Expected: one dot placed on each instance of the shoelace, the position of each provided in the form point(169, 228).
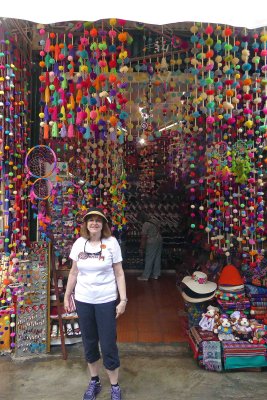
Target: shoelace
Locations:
point(91, 388)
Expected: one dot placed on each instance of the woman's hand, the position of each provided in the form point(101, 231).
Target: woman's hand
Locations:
point(68, 304)
point(120, 308)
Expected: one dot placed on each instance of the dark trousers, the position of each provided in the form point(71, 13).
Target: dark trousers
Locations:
point(98, 325)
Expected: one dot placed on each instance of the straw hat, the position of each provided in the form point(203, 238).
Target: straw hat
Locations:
point(198, 283)
point(190, 299)
point(95, 211)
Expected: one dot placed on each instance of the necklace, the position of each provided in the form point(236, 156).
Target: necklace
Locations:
point(96, 245)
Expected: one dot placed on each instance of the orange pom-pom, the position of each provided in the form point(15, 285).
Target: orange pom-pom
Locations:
point(112, 78)
point(229, 93)
point(122, 36)
point(93, 32)
point(247, 82)
point(113, 120)
point(102, 109)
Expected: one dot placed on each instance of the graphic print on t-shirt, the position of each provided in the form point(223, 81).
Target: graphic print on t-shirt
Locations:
point(84, 256)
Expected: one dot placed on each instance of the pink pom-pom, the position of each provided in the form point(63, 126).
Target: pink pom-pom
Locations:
point(121, 22)
point(93, 114)
point(210, 120)
point(112, 34)
point(42, 32)
point(231, 121)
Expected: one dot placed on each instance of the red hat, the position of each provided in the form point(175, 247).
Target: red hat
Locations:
point(230, 276)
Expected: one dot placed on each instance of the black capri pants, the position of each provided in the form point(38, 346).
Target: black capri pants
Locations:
point(98, 325)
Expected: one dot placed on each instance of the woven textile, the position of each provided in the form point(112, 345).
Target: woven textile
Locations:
point(234, 305)
point(243, 349)
point(194, 312)
point(212, 359)
point(196, 339)
point(244, 355)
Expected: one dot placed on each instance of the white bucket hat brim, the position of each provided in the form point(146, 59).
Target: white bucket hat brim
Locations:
point(198, 283)
point(196, 300)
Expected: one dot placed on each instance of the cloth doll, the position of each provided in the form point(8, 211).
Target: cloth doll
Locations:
point(224, 329)
point(243, 330)
point(209, 318)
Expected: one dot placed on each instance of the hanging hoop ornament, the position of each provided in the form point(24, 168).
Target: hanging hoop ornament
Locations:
point(41, 189)
point(40, 161)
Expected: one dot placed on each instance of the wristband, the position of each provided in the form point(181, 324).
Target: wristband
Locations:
point(124, 300)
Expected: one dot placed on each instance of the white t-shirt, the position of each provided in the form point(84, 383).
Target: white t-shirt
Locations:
point(96, 279)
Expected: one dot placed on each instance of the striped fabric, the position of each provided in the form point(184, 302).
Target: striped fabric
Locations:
point(243, 349)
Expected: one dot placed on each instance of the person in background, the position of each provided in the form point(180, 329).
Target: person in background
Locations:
point(96, 276)
point(151, 247)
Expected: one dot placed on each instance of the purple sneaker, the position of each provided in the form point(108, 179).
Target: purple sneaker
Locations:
point(116, 393)
point(92, 391)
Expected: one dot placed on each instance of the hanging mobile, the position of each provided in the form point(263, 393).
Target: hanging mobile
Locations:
point(41, 189)
point(40, 161)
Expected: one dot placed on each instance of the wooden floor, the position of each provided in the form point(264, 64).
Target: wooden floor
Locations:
point(154, 312)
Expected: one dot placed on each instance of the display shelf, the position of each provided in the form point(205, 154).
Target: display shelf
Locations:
point(57, 341)
point(64, 318)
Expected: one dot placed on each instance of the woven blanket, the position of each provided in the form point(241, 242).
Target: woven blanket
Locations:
point(252, 289)
point(259, 304)
point(196, 339)
point(220, 294)
point(234, 305)
point(243, 349)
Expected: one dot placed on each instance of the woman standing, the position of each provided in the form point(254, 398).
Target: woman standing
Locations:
point(97, 277)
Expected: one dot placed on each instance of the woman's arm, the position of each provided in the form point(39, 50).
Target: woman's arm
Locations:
point(72, 279)
point(120, 280)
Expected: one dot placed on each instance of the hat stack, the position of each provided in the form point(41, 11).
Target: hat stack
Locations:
point(197, 288)
point(231, 291)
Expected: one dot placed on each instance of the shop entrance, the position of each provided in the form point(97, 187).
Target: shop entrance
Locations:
point(154, 312)
point(155, 309)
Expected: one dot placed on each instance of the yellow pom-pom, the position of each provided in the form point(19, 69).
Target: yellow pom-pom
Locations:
point(112, 21)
